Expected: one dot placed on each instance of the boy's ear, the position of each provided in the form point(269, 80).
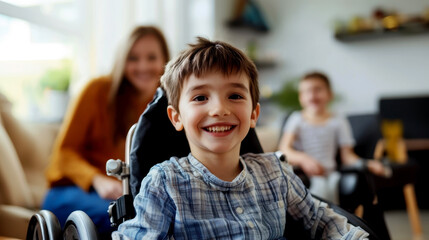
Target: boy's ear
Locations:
point(255, 115)
point(174, 117)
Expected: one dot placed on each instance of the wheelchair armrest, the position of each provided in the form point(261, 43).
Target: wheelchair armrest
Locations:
point(121, 210)
point(355, 221)
point(294, 229)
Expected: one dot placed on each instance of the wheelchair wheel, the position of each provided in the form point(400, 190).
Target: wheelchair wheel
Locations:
point(44, 225)
point(79, 226)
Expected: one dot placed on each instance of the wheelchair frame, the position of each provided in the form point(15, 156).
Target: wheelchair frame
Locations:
point(122, 209)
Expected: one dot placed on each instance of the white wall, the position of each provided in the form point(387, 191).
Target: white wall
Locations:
point(361, 72)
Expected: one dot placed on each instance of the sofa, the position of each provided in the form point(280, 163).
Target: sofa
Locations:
point(24, 154)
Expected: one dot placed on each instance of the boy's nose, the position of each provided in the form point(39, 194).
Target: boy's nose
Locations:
point(219, 108)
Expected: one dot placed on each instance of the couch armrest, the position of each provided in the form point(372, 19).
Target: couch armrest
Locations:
point(32, 144)
point(14, 221)
point(43, 136)
point(13, 183)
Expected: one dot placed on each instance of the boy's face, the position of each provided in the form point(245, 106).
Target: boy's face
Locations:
point(314, 94)
point(215, 111)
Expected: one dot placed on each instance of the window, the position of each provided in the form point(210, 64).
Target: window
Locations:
point(42, 41)
point(37, 43)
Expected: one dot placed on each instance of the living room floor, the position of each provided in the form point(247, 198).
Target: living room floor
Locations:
point(399, 226)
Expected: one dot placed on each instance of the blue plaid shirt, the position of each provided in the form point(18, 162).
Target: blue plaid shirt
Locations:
point(183, 199)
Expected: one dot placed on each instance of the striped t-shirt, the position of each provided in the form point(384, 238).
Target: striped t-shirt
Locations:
point(320, 141)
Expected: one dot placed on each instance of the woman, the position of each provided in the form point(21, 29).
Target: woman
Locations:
point(96, 126)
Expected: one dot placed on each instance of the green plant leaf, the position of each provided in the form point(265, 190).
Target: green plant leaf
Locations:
point(56, 79)
point(287, 97)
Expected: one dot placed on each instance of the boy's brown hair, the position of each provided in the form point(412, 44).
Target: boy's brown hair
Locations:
point(318, 75)
point(203, 58)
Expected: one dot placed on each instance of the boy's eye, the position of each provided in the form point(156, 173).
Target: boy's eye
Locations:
point(236, 96)
point(199, 98)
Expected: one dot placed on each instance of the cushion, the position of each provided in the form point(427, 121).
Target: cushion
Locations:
point(14, 221)
point(32, 144)
point(20, 136)
point(13, 184)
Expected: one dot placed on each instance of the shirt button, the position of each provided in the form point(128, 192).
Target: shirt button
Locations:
point(239, 210)
point(250, 223)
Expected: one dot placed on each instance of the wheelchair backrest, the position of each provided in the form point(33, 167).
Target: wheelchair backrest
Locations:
point(156, 140)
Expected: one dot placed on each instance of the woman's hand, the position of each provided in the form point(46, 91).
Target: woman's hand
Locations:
point(107, 187)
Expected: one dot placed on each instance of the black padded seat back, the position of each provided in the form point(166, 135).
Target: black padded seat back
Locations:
point(412, 111)
point(155, 140)
point(366, 132)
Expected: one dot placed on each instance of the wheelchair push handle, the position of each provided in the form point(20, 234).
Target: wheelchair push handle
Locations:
point(113, 167)
point(121, 171)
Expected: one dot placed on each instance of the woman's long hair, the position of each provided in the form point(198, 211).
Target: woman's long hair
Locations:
point(122, 123)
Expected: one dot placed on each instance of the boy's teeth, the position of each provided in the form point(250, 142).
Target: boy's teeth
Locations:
point(219, 128)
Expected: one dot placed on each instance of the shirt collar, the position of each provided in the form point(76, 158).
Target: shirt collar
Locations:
point(214, 181)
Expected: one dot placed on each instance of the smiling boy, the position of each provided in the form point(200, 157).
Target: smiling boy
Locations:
point(217, 112)
point(213, 193)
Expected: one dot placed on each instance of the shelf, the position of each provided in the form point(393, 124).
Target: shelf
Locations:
point(379, 34)
point(241, 24)
point(248, 15)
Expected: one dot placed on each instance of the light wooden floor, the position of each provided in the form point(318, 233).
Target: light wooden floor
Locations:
point(399, 226)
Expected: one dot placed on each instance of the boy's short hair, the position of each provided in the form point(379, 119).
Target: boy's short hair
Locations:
point(318, 75)
point(203, 58)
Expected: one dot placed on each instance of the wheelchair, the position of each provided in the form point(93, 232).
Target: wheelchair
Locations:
point(44, 225)
point(146, 146)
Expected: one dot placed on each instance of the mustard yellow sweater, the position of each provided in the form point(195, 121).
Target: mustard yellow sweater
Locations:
point(85, 141)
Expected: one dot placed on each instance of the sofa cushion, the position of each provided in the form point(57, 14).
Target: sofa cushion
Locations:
point(43, 135)
point(31, 144)
point(14, 221)
point(24, 142)
point(13, 184)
